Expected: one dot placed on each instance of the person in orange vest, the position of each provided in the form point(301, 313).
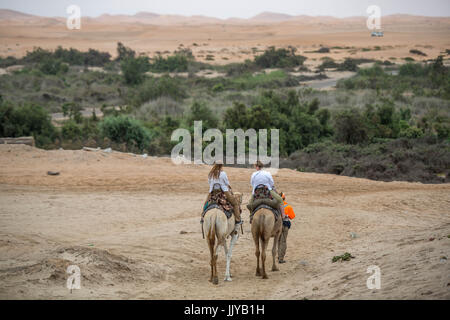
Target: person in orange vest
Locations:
point(289, 215)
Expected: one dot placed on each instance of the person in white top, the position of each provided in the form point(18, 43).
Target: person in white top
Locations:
point(263, 177)
point(219, 183)
point(218, 179)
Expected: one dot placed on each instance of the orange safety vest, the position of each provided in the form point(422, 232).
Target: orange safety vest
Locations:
point(289, 211)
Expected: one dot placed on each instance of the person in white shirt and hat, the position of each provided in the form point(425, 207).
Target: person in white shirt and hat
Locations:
point(263, 177)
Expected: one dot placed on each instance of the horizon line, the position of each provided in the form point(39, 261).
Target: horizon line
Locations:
point(224, 19)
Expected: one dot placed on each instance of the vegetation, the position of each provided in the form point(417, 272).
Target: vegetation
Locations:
point(387, 123)
point(26, 120)
point(279, 58)
point(123, 129)
point(345, 257)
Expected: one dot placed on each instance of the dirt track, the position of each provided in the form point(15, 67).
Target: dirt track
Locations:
point(132, 226)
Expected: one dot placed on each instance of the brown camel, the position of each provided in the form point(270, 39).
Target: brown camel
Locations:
point(217, 226)
point(265, 227)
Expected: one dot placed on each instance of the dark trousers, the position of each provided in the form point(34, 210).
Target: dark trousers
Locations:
point(282, 243)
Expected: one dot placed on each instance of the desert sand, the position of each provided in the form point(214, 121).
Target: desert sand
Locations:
point(131, 224)
point(231, 40)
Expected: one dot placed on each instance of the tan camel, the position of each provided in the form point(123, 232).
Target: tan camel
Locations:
point(265, 227)
point(217, 226)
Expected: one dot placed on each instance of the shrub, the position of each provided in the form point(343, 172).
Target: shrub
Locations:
point(175, 63)
point(8, 61)
point(279, 58)
point(421, 159)
point(273, 79)
point(73, 111)
point(323, 50)
point(411, 133)
point(70, 56)
point(37, 55)
point(123, 129)
point(304, 130)
point(350, 127)
point(51, 66)
point(237, 69)
point(70, 130)
point(134, 69)
point(328, 63)
point(201, 112)
point(124, 53)
point(96, 58)
point(155, 109)
point(412, 70)
point(161, 143)
point(418, 52)
point(348, 65)
point(236, 117)
point(154, 88)
point(374, 71)
point(26, 120)
point(218, 87)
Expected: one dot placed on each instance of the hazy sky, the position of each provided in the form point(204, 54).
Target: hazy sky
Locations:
point(231, 8)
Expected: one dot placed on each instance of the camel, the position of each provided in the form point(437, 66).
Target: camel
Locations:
point(217, 226)
point(265, 227)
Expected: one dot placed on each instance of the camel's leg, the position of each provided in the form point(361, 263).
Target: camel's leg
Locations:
point(274, 251)
point(211, 251)
point(228, 254)
point(257, 254)
point(227, 269)
point(264, 243)
point(216, 255)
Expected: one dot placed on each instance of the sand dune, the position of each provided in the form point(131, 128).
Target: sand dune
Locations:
point(132, 226)
point(150, 33)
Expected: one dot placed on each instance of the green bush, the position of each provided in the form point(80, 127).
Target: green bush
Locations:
point(411, 133)
point(8, 61)
point(413, 70)
point(75, 57)
point(348, 65)
point(175, 63)
point(423, 159)
point(236, 117)
point(218, 87)
point(279, 58)
point(162, 144)
point(201, 112)
point(124, 53)
point(154, 88)
point(26, 120)
point(70, 130)
point(134, 69)
point(350, 127)
point(238, 69)
point(70, 56)
point(53, 66)
point(123, 129)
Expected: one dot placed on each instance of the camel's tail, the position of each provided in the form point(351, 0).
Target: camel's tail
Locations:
point(211, 232)
point(262, 217)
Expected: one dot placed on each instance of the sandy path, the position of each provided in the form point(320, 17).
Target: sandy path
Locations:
point(135, 234)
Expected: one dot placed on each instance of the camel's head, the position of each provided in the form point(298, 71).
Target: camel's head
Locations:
point(238, 196)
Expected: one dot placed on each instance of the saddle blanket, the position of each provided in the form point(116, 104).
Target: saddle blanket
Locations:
point(216, 206)
point(276, 212)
